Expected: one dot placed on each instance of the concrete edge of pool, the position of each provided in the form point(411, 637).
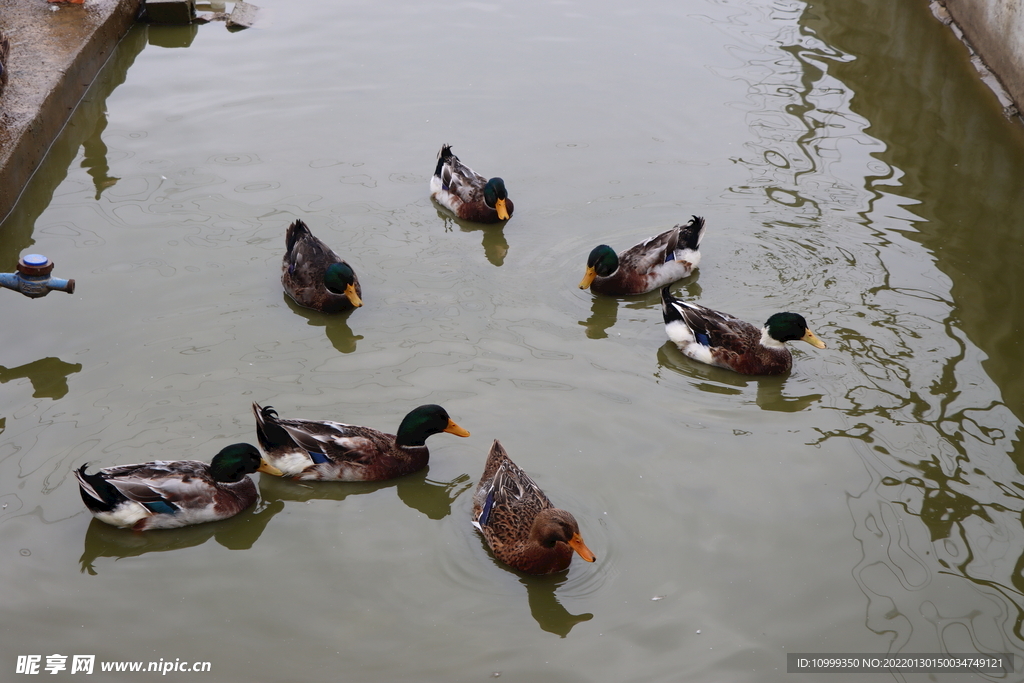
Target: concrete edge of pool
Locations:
point(56, 51)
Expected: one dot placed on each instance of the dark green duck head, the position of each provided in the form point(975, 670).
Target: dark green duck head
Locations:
point(339, 278)
point(236, 461)
point(602, 261)
point(424, 421)
point(784, 327)
point(495, 196)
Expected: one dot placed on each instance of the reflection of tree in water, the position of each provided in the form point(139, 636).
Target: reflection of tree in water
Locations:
point(942, 507)
point(947, 513)
point(970, 521)
point(932, 429)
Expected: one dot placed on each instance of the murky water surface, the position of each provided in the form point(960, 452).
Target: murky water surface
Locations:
point(850, 168)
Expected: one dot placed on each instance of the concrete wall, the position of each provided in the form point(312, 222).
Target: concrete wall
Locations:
point(56, 52)
point(995, 28)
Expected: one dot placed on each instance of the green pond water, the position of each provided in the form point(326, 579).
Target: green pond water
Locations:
point(851, 167)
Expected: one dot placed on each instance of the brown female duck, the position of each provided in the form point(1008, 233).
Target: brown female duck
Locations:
point(521, 526)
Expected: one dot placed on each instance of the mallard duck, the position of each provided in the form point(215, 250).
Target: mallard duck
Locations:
point(653, 263)
point(314, 276)
point(166, 494)
point(332, 451)
point(720, 339)
point(466, 193)
point(521, 526)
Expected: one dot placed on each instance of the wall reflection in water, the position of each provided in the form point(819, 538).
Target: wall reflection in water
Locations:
point(84, 131)
point(871, 90)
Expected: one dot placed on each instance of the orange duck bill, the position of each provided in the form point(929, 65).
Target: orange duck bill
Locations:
point(455, 429)
point(502, 210)
point(577, 544)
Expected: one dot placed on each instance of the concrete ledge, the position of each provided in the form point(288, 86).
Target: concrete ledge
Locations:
point(995, 29)
point(55, 55)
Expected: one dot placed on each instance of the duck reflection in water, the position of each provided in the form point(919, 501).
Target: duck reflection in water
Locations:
point(604, 309)
point(494, 243)
point(548, 612)
point(238, 533)
point(339, 333)
point(541, 596)
point(721, 381)
point(431, 497)
point(603, 313)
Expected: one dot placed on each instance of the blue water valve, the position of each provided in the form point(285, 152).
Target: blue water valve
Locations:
point(33, 277)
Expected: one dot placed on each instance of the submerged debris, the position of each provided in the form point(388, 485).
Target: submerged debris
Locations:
point(243, 15)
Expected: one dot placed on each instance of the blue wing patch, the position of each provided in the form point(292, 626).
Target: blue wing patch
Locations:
point(318, 458)
point(703, 339)
point(485, 514)
point(160, 507)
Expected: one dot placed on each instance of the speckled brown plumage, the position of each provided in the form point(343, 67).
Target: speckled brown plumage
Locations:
point(521, 526)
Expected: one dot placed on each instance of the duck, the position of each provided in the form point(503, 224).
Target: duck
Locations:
point(466, 193)
point(722, 340)
point(310, 450)
point(314, 276)
point(654, 263)
point(166, 494)
point(520, 525)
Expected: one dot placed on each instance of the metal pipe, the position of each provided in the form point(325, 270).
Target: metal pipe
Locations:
point(33, 278)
